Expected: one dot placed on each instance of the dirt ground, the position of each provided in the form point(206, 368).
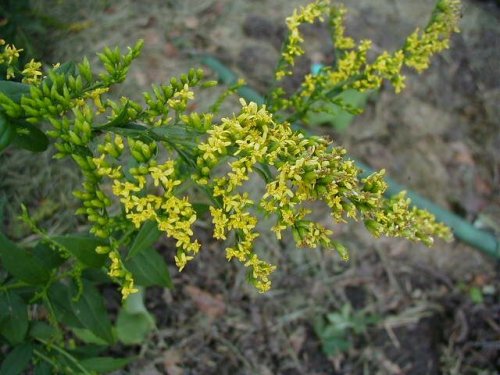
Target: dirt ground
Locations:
point(438, 310)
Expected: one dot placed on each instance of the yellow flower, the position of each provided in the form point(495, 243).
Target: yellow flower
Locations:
point(32, 73)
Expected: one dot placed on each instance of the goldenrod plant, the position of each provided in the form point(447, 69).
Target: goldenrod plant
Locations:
point(140, 160)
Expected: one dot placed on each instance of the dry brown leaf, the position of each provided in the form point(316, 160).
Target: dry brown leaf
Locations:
point(170, 50)
point(191, 22)
point(482, 186)
point(171, 360)
point(150, 370)
point(462, 153)
point(210, 305)
point(297, 339)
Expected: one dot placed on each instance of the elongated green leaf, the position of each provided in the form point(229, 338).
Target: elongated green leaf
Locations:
point(149, 268)
point(21, 263)
point(29, 137)
point(14, 90)
point(91, 312)
point(118, 121)
point(42, 330)
point(13, 317)
point(103, 365)
point(17, 360)
point(59, 300)
point(67, 68)
point(131, 130)
point(145, 238)
point(201, 208)
point(48, 257)
point(83, 248)
point(88, 351)
point(133, 328)
point(7, 132)
point(88, 337)
point(338, 117)
point(134, 322)
point(42, 368)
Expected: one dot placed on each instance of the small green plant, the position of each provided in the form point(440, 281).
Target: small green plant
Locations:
point(337, 329)
point(141, 163)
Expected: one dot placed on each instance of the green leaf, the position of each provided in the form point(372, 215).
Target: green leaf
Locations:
point(135, 131)
point(14, 90)
point(201, 208)
point(29, 137)
point(104, 365)
point(13, 317)
point(134, 322)
point(149, 268)
point(88, 337)
point(91, 312)
point(83, 248)
point(476, 295)
point(7, 132)
point(264, 171)
point(17, 360)
point(48, 257)
point(87, 351)
point(42, 330)
point(145, 238)
point(335, 345)
point(118, 121)
point(332, 112)
point(21, 263)
point(43, 368)
point(59, 300)
point(133, 328)
point(3, 202)
point(67, 68)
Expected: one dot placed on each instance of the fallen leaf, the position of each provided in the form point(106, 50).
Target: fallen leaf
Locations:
point(297, 339)
point(171, 359)
point(482, 186)
point(170, 50)
point(191, 22)
point(480, 280)
point(150, 370)
point(462, 153)
point(210, 305)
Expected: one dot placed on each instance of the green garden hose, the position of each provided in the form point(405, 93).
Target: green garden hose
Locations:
point(484, 241)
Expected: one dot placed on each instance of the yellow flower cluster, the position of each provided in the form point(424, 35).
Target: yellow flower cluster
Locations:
point(179, 101)
point(248, 134)
point(173, 215)
point(9, 56)
point(299, 171)
point(292, 48)
point(307, 169)
point(32, 72)
point(339, 40)
point(10, 53)
point(118, 271)
point(420, 47)
point(351, 69)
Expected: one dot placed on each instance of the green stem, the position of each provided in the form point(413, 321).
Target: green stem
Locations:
point(68, 356)
point(19, 284)
point(46, 359)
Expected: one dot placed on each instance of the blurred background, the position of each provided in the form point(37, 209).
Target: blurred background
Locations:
point(395, 307)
